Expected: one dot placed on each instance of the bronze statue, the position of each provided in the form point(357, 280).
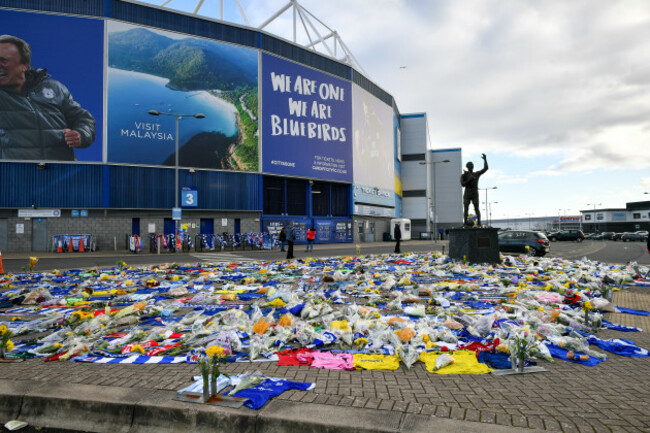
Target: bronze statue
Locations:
point(469, 180)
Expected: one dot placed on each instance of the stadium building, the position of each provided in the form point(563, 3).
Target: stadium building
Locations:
point(199, 125)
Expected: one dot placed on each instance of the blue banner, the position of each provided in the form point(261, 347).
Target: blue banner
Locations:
point(307, 122)
point(68, 53)
point(332, 231)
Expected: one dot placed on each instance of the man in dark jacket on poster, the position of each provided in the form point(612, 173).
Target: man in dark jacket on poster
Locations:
point(397, 234)
point(39, 119)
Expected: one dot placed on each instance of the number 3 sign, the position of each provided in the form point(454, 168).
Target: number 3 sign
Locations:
point(189, 197)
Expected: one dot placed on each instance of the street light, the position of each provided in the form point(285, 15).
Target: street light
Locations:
point(486, 201)
point(431, 198)
point(490, 212)
point(178, 117)
point(530, 225)
point(594, 221)
point(559, 218)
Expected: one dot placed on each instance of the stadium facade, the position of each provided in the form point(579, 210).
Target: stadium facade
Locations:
point(235, 129)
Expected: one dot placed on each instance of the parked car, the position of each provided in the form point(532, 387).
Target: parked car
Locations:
point(597, 236)
point(628, 237)
point(608, 235)
point(643, 233)
point(617, 236)
point(516, 241)
point(567, 235)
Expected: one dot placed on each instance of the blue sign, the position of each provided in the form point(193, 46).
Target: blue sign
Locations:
point(84, 212)
point(307, 122)
point(74, 213)
point(190, 197)
point(333, 231)
point(176, 213)
point(373, 195)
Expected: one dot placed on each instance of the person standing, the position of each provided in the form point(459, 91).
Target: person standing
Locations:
point(282, 237)
point(397, 234)
point(311, 237)
point(291, 238)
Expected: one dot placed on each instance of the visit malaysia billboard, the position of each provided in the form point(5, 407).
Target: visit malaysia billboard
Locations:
point(179, 76)
point(307, 122)
point(51, 103)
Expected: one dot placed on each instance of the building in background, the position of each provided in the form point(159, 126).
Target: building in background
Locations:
point(634, 217)
point(258, 133)
point(431, 190)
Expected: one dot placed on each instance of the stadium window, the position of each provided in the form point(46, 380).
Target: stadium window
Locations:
point(274, 201)
point(340, 200)
point(636, 215)
point(320, 199)
point(296, 197)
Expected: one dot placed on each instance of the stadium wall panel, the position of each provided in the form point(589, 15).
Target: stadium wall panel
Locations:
point(53, 185)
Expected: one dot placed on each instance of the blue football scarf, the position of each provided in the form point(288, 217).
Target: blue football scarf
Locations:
point(632, 311)
point(619, 346)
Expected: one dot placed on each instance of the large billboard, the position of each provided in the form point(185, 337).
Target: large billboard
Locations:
point(51, 104)
point(179, 76)
point(307, 123)
point(374, 143)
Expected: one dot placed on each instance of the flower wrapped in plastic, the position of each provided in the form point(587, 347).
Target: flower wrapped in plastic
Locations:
point(209, 361)
point(5, 343)
point(442, 361)
point(520, 342)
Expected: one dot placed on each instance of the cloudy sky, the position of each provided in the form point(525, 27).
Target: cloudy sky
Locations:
point(555, 92)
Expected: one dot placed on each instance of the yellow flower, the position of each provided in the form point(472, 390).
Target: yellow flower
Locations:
point(425, 338)
point(215, 352)
point(343, 325)
point(361, 341)
point(541, 309)
point(57, 345)
point(33, 261)
point(137, 348)
point(277, 302)
point(3, 329)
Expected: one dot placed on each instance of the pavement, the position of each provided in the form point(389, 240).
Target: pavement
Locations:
point(610, 397)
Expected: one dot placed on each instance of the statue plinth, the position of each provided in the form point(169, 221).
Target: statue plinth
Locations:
point(476, 245)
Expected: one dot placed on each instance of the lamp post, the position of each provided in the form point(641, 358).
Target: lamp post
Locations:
point(178, 117)
point(486, 201)
point(594, 220)
point(529, 221)
point(431, 198)
point(559, 217)
point(490, 212)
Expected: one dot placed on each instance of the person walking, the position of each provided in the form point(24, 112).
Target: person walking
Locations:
point(397, 234)
point(282, 237)
point(291, 238)
point(311, 237)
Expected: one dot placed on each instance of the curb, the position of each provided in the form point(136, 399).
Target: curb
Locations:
point(115, 409)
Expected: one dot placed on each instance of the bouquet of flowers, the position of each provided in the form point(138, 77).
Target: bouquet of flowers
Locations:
point(587, 307)
point(520, 342)
point(5, 343)
point(209, 366)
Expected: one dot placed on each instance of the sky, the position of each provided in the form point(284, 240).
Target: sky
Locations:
point(556, 93)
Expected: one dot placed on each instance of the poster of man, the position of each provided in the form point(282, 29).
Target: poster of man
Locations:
point(48, 102)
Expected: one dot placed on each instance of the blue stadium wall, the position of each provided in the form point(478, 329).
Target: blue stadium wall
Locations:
point(135, 196)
